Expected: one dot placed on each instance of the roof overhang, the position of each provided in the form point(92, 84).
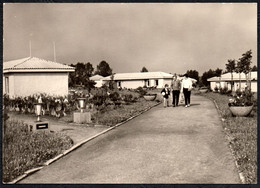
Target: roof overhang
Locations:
point(36, 70)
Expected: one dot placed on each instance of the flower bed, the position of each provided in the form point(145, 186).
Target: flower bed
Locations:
point(60, 106)
point(24, 150)
point(242, 135)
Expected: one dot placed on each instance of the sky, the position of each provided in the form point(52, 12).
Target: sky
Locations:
point(168, 37)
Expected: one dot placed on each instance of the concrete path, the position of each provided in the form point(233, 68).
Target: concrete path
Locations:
point(164, 145)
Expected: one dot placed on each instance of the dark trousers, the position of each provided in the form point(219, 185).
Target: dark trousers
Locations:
point(186, 93)
point(175, 97)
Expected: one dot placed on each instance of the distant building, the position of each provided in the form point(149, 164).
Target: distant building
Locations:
point(98, 79)
point(31, 75)
point(225, 81)
point(141, 79)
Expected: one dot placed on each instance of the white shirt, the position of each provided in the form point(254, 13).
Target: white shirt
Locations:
point(186, 83)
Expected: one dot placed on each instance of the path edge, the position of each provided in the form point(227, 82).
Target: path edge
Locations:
point(240, 174)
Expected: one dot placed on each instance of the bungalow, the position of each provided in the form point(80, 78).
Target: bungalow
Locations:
point(225, 80)
point(141, 79)
point(32, 75)
point(98, 79)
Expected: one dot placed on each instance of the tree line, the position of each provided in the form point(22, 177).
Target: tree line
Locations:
point(83, 71)
point(242, 65)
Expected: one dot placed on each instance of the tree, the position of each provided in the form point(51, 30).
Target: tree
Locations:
point(89, 69)
point(254, 68)
point(230, 67)
point(208, 74)
point(144, 69)
point(243, 65)
point(193, 74)
point(81, 75)
point(103, 69)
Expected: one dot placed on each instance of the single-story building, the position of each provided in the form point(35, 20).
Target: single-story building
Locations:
point(98, 79)
point(31, 75)
point(225, 80)
point(141, 79)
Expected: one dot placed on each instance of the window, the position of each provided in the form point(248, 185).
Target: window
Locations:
point(7, 84)
point(156, 82)
point(119, 84)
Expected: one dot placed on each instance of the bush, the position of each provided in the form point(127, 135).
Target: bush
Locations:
point(99, 99)
point(224, 91)
point(141, 91)
point(114, 96)
point(216, 89)
point(129, 98)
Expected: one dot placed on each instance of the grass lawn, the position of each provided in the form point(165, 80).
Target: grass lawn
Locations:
point(24, 150)
point(242, 135)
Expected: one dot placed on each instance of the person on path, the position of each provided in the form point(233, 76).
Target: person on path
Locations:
point(165, 93)
point(186, 87)
point(175, 87)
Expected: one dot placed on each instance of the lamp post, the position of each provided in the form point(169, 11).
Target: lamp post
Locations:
point(38, 107)
point(82, 104)
point(38, 111)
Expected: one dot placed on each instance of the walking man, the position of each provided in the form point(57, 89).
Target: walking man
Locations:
point(186, 87)
point(175, 86)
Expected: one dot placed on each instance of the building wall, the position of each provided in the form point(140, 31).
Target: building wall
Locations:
point(132, 84)
point(236, 85)
point(9, 83)
point(254, 86)
point(164, 81)
point(24, 84)
point(99, 83)
point(140, 83)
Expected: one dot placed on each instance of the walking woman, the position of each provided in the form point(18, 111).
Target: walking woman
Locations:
point(175, 86)
point(186, 87)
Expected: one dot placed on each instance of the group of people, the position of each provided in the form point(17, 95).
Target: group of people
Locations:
point(177, 87)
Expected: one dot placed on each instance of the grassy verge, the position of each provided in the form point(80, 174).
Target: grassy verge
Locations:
point(112, 115)
point(24, 150)
point(242, 136)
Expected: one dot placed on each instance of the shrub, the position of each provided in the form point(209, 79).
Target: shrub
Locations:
point(99, 100)
point(114, 96)
point(223, 91)
point(129, 98)
point(141, 91)
point(216, 89)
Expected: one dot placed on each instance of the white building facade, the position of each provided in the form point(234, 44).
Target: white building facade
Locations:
point(225, 80)
point(141, 79)
point(28, 76)
point(98, 79)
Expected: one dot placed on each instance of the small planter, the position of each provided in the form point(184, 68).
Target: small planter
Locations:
point(150, 97)
point(241, 110)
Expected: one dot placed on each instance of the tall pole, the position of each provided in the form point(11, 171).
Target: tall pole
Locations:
point(30, 46)
point(54, 52)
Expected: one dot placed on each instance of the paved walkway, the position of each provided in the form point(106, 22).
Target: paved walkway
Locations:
point(163, 145)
